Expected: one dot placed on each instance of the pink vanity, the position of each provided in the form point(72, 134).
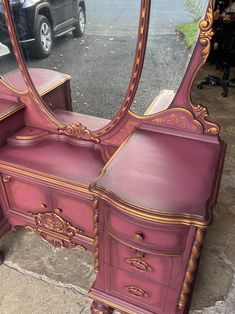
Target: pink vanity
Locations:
point(137, 190)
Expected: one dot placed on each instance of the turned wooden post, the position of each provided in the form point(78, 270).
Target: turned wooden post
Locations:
point(100, 308)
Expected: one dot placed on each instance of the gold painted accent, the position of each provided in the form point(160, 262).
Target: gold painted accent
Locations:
point(201, 113)
point(139, 237)
point(79, 131)
point(137, 292)
point(55, 230)
point(207, 33)
point(96, 234)
point(31, 137)
point(192, 268)
point(139, 264)
point(9, 112)
point(6, 178)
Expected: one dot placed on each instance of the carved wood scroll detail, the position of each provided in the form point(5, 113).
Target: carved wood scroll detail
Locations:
point(79, 131)
point(192, 267)
point(55, 230)
point(207, 33)
point(201, 114)
point(178, 118)
point(96, 234)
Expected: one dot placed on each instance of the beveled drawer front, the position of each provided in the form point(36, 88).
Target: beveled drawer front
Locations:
point(149, 266)
point(165, 238)
point(75, 210)
point(26, 197)
point(129, 287)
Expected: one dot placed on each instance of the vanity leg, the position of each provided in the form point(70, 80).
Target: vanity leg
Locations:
point(100, 308)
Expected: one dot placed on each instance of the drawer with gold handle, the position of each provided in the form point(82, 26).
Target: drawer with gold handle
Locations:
point(139, 264)
point(137, 292)
point(136, 289)
point(158, 268)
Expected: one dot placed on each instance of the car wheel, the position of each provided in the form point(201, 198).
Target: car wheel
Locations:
point(80, 26)
point(43, 38)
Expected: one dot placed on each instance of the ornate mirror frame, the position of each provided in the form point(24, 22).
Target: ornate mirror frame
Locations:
point(182, 113)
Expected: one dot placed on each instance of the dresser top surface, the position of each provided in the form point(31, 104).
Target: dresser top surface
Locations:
point(53, 158)
point(164, 173)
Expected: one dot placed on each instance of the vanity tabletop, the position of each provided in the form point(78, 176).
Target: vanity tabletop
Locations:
point(54, 159)
point(163, 173)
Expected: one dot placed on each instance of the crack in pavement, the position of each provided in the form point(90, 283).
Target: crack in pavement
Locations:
point(227, 306)
point(44, 278)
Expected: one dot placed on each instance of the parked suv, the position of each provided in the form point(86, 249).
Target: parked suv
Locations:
point(38, 21)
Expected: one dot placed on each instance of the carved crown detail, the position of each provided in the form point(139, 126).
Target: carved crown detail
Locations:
point(207, 33)
point(79, 131)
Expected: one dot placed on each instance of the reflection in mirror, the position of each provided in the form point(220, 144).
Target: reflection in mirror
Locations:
point(92, 41)
point(173, 32)
point(9, 70)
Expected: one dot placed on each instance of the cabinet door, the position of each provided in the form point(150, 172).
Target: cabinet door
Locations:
point(75, 210)
point(25, 196)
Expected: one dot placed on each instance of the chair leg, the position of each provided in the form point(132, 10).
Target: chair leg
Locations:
point(1, 257)
point(225, 81)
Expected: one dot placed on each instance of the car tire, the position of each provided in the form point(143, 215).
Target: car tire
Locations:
point(43, 38)
point(80, 26)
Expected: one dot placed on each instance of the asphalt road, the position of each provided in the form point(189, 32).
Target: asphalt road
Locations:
point(100, 62)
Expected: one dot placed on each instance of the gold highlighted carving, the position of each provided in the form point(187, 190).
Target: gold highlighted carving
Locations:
point(201, 114)
point(207, 33)
point(192, 267)
point(79, 131)
point(55, 230)
point(96, 234)
point(139, 237)
point(137, 292)
point(178, 118)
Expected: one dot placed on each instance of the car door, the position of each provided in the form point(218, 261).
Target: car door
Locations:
point(62, 12)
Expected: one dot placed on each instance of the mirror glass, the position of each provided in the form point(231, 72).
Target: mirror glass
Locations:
point(173, 32)
point(92, 41)
point(9, 71)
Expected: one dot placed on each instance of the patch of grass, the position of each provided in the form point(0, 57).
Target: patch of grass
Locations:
point(189, 31)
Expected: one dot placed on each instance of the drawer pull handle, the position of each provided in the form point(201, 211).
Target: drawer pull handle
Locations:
point(6, 178)
point(139, 237)
point(139, 264)
point(137, 292)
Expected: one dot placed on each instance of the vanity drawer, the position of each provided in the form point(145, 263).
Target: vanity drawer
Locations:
point(165, 238)
point(75, 210)
point(161, 269)
point(26, 197)
point(129, 287)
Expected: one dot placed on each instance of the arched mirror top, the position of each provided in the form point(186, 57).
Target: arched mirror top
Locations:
point(192, 33)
